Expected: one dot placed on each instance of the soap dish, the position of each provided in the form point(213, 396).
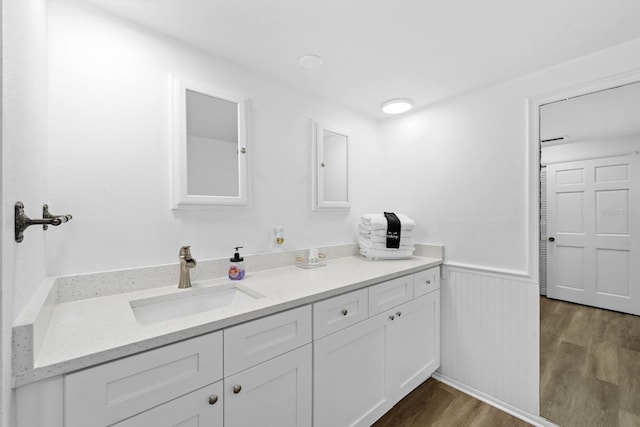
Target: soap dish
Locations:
point(302, 261)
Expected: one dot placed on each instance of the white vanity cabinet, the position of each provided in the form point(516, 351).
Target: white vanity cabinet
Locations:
point(267, 365)
point(112, 392)
point(266, 380)
point(342, 361)
point(361, 371)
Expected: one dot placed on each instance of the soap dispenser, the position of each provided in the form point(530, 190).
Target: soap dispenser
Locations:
point(236, 266)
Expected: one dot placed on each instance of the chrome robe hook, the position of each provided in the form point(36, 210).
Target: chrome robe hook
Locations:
point(22, 221)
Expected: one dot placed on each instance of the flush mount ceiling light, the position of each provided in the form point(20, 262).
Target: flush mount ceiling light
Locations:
point(396, 106)
point(310, 62)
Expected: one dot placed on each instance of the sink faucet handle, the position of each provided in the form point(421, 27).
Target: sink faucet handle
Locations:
point(185, 254)
point(185, 251)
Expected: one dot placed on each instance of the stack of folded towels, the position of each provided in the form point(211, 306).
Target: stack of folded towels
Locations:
point(381, 237)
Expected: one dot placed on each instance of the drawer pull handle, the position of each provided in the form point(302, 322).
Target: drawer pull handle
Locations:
point(236, 389)
point(399, 314)
point(392, 317)
point(213, 399)
point(428, 282)
point(344, 311)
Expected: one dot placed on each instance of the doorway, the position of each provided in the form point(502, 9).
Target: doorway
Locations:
point(589, 257)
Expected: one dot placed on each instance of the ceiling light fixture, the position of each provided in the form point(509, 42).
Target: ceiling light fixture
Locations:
point(310, 62)
point(396, 106)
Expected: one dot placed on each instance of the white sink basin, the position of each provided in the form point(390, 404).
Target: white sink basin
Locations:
point(191, 301)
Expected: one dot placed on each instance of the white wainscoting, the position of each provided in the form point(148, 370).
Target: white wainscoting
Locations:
point(490, 335)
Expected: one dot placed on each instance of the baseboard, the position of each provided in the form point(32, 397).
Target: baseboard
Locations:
point(503, 406)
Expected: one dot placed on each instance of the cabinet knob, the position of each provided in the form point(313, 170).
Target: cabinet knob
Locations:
point(236, 389)
point(428, 282)
point(344, 311)
point(213, 399)
point(399, 314)
point(392, 317)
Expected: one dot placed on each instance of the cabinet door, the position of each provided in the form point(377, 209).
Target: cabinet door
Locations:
point(349, 375)
point(414, 343)
point(106, 394)
point(201, 408)
point(276, 393)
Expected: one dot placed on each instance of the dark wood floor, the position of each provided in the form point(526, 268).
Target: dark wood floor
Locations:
point(589, 365)
point(437, 404)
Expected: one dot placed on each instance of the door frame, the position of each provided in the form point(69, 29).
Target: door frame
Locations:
point(533, 159)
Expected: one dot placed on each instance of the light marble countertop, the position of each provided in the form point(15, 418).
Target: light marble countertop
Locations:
point(91, 331)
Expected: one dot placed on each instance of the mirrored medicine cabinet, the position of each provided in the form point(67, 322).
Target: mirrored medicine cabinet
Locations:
point(330, 156)
point(209, 133)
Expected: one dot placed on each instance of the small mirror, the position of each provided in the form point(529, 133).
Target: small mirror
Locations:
point(209, 146)
point(331, 167)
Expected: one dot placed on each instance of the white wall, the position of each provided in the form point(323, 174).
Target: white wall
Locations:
point(490, 336)
point(455, 173)
point(469, 156)
point(467, 162)
point(109, 150)
point(24, 151)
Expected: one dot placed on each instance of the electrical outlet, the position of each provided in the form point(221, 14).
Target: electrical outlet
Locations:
point(277, 237)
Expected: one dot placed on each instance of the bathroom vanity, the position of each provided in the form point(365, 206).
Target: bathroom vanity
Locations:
point(332, 346)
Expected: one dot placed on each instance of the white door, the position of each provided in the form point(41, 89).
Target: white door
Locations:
point(593, 229)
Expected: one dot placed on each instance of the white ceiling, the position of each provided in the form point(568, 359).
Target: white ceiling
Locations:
point(375, 50)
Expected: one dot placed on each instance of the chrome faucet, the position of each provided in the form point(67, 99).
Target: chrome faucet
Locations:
point(186, 262)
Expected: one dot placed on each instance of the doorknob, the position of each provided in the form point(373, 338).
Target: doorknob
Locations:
point(552, 239)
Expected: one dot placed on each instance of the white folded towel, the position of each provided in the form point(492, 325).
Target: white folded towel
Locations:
point(366, 244)
point(365, 229)
point(387, 253)
point(405, 238)
point(379, 222)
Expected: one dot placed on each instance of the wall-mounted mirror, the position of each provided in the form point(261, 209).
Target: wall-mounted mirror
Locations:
point(330, 167)
point(209, 146)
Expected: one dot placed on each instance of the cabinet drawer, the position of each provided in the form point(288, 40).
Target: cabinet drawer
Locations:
point(426, 281)
point(388, 294)
point(254, 342)
point(337, 313)
point(114, 391)
point(201, 408)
